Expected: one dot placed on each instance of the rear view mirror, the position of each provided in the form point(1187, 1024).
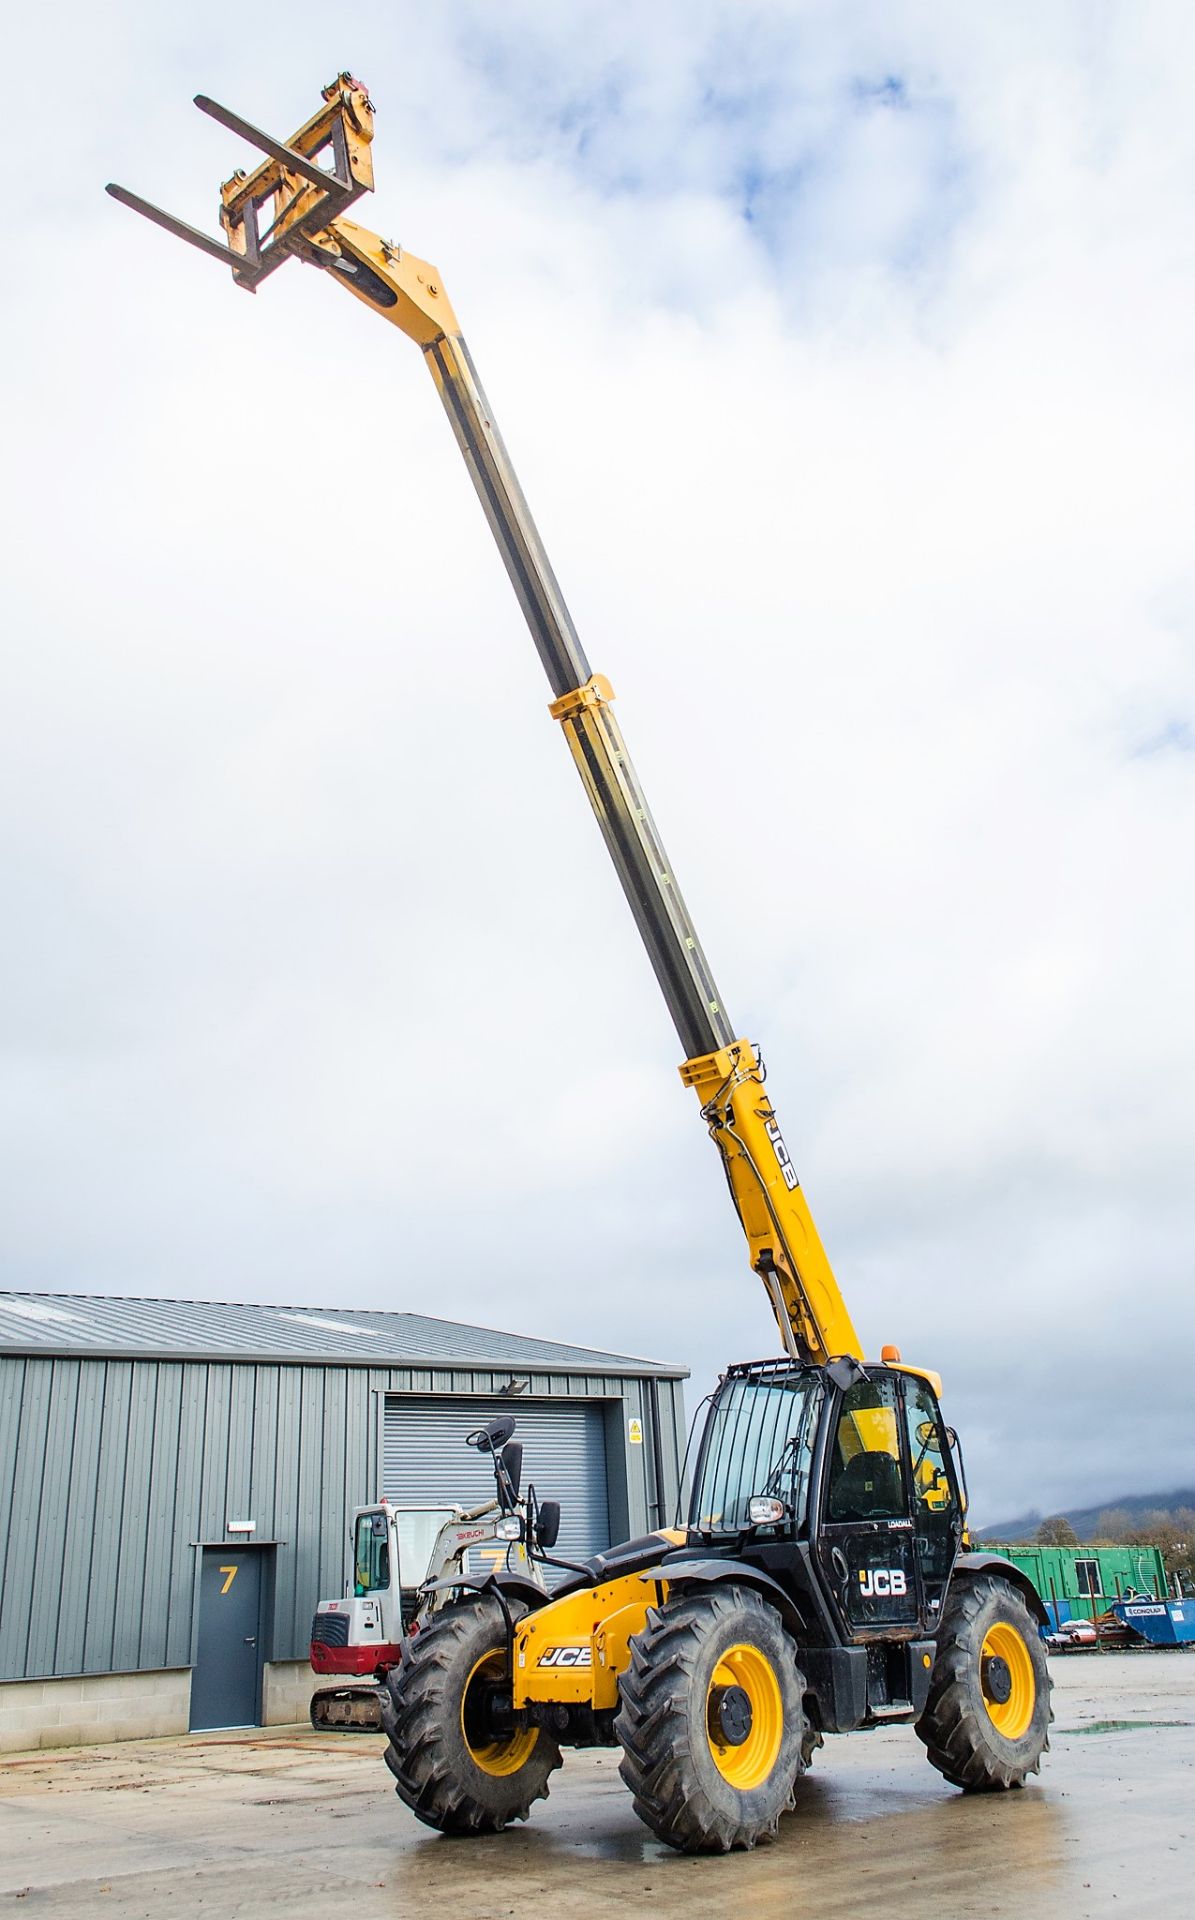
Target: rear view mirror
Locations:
point(493, 1435)
point(547, 1529)
point(512, 1461)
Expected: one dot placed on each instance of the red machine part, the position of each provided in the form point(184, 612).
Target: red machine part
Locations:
point(355, 1660)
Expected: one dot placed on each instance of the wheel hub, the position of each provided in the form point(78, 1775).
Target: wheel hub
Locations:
point(996, 1678)
point(730, 1716)
point(496, 1744)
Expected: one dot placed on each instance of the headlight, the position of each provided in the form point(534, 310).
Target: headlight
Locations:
point(509, 1529)
point(762, 1511)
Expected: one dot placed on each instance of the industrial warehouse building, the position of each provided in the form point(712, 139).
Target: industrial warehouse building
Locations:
point(147, 1447)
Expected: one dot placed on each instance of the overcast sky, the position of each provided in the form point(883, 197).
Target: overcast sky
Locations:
point(845, 353)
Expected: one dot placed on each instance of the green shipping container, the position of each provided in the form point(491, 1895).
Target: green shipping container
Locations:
point(1081, 1582)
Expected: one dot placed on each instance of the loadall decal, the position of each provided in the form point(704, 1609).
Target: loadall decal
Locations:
point(878, 1582)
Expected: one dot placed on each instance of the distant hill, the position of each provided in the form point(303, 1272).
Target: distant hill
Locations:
point(1085, 1520)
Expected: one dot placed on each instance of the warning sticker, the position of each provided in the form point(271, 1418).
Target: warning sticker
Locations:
point(635, 1433)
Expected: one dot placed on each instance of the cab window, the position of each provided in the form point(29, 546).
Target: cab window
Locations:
point(866, 1482)
point(371, 1554)
point(927, 1451)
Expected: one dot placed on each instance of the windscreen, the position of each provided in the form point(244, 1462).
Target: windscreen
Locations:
point(758, 1440)
point(417, 1530)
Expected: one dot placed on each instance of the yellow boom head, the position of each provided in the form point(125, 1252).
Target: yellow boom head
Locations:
point(292, 207)
point(273, 213)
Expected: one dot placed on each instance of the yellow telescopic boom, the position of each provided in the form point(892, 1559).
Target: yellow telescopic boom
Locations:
point(292, 206)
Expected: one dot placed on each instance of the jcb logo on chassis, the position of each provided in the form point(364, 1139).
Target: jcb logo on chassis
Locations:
point(566, 1657)
point(876, 1583)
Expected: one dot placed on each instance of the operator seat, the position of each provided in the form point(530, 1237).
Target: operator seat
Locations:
point(868, 1488)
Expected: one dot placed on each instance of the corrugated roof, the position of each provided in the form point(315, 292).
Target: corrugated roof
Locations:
point(88, 1323)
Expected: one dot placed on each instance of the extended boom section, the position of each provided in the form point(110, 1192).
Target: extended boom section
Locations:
point(281, 211)
point(726, 1073)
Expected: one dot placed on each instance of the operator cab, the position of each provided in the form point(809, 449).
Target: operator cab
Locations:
point(838, 1481)
point(414, 1533)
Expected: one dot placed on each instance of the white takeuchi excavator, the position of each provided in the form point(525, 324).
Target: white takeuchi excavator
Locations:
point(407, 1563)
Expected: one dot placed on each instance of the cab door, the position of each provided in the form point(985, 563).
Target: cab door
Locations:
point(866, 1541)
point(936, 1506)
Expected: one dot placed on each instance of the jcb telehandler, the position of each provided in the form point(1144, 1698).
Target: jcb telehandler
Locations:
point(821, 1580)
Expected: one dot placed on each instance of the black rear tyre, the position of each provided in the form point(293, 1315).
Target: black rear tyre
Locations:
point(711, 1722)
point(450, 1767)
point(987, 1718)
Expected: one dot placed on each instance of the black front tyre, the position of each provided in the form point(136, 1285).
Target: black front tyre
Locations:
point(711, 1721)
point(987, 1718)
point(456, 1767)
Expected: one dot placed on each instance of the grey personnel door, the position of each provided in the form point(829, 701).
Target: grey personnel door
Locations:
point(226, 1681)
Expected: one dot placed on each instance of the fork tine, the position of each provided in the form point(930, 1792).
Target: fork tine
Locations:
point(180, 228)
point(265, 142)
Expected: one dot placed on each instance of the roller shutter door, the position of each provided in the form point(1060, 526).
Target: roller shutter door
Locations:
point(425, 1460)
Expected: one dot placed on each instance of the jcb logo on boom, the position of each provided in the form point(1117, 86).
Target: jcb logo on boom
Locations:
point(566, 1657)
point(781, 1152)
point(876, 1583)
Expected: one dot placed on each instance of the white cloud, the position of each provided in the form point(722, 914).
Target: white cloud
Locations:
point(875, 508)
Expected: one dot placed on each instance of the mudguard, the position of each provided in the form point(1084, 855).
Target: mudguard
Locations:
point(515, 1586)
point(682, 1573)
point(996, 1563)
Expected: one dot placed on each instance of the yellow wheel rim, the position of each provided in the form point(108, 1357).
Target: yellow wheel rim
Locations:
point(1012, 1716)
point(493, 1756)
point(749, 1765)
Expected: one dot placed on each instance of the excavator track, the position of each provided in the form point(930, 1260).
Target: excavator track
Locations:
point(347, 1710)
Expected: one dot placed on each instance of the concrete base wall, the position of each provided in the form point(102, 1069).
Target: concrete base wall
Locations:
point(286, 1690)
point(93, 1709)
point(100, 1707)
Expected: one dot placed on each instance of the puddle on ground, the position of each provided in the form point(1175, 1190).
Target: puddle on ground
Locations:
point(1126, 1726)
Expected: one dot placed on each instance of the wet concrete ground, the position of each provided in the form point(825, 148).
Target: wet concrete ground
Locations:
point(305, 1824)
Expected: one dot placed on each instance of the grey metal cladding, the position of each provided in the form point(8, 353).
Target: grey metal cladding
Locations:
point(44, 1567)
point(153, 1644)
point(70, 1323)
point(99, 1650)
point(80, 1470)
point(24, 1500)
point(189, 1460)
point(285, 1506)
point(134, 1525)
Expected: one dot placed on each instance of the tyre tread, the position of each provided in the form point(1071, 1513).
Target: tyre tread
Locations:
point(953, 1731)
point(415, 1713)
point(655, 1728)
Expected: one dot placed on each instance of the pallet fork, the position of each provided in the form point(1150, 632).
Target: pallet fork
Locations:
point(292, 207)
